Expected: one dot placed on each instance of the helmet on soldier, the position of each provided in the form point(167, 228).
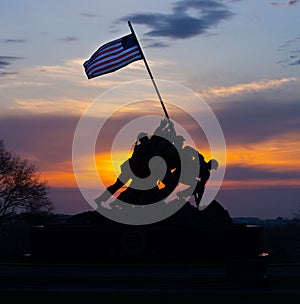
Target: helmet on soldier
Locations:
point(213, 164)
point(141, 135)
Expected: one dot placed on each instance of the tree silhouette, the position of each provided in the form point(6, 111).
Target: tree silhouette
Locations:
point(20, 187)
point(297, 214)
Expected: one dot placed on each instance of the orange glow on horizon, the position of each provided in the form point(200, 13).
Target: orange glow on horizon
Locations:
point(59, 179)
point(276, 155)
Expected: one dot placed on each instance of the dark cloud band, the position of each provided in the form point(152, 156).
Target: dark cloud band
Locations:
point(253, 121)
point(7, 61)
point(187, 19)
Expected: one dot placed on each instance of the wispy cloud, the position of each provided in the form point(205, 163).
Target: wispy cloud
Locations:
point(54, 106)
point(189, 18)
point(283, 3)
point(5, 64)
point(6, 74)
point(276, 4)
point(291, 51)
point(59, 79)
point(10, 40)
point(243, 88)
point(6, 61)
point(68, 39)
point(295, 62)
point(293, 2)
point(150, 43)
point(89, 15)
point(70, 71)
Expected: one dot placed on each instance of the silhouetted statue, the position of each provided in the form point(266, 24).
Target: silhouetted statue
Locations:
point(183, 164)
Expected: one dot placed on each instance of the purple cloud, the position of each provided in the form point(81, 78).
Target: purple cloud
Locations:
point(293, 2)
point(248, 173)
point(180, 24)
point(7, 61)
point(45, 139)
point(253, 121)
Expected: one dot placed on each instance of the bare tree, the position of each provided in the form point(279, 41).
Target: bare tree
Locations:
point(21, 189)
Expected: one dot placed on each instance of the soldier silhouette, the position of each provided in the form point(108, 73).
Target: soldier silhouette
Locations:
point(125, 175)
point(205, 168)
point(202, 177)
point(167, 144)
point(160, 144)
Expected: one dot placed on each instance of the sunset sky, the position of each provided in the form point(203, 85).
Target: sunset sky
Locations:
point(241, 57)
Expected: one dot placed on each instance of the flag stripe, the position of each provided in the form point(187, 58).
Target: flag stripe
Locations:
point(114, 67)
point(113, 56)
point(105, 53)
point(105, 47)
point(111, 63)
point(99, 64)
point(107, 57)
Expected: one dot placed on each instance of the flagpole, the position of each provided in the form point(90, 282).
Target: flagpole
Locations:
point(149, 71)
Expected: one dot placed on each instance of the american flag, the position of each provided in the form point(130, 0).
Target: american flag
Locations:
point(113, 56)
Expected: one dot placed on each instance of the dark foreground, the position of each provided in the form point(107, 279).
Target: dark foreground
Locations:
point(191, 257)
point(54, 283)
